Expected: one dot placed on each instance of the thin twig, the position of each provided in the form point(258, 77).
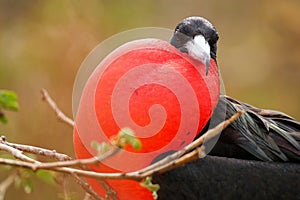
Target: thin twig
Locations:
point(109, 191)
point(189, 157)
point(78, 162)
point(62, 117)
point(87, 188)
point(166, 162)
point(137, 175)
point(37, 150)
point(79, 172)
point(59, 114)
point(190, 152)
point(87, 196)
point(6, 184)
point(15, 152)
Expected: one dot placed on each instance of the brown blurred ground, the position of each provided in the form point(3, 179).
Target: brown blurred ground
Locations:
point(42, 44)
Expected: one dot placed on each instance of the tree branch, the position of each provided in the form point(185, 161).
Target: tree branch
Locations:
point(59, 114)
point(168, 163)
point(62, 117)
point(78, 162)
point(15, 152)
point(91, 193)
point(6, 183)
point(67, 165)
point(36, 150)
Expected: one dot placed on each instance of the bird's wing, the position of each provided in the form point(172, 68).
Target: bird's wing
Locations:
point(266, 134)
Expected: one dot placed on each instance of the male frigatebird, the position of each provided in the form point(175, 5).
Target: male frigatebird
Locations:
point(265, 134)
point(235, 167)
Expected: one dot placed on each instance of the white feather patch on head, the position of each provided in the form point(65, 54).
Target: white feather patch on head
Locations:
point(199, 49)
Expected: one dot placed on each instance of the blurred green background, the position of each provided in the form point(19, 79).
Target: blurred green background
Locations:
point(42, 45)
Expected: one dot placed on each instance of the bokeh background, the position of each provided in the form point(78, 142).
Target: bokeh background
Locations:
point(42, 45)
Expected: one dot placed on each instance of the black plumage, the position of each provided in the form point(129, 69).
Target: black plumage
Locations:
point(236, 167)
point(266, 135)
point(261, 134)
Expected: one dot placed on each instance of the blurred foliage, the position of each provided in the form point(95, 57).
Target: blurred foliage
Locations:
point(26, 181)
point(8, 101)
point(42, 44)
point(126, 138)
point(147, 183)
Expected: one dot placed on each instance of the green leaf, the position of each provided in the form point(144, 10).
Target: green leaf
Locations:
point(100, 148)
point(3, 118)
point(126, 132)
point(46, 176)
point(24, 181)
point(126, 136)
point(28, 186)
point(9, 100)
point(147, 183)
point(18, 182)
point(95, 145)
point(136, 144)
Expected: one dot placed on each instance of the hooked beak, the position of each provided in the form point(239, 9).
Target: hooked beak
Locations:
point(207, 64)
point(199, 49)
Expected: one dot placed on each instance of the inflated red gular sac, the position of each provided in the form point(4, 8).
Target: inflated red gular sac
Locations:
point(164, 92)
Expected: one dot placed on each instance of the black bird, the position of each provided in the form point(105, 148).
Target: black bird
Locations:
point(261, 134)
point(235, 168)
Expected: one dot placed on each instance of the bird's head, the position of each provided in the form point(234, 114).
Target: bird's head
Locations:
point(198, 38)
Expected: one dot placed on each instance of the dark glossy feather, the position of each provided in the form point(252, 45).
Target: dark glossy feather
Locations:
point(258, 135)
point(227, 178)
point(266, 135)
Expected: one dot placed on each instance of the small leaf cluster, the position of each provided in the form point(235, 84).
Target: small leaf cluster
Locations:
point(8, 101)
point(101, 148)
point(126, 137)
point(25, 179)
point(147, 183)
